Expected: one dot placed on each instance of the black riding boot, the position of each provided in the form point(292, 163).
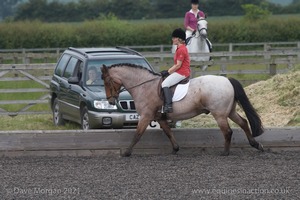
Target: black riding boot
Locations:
point(168, 100)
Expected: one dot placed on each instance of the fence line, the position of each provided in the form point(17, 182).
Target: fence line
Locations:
point(270, 54)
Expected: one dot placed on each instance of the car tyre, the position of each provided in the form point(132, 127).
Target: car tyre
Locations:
point(85, 121)
point(57, 116)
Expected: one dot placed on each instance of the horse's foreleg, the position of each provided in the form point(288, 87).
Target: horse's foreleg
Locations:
point(235, 117)
point(167, 130)
point(142, 125)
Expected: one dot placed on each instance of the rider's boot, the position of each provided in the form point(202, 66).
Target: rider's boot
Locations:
point(168, 100)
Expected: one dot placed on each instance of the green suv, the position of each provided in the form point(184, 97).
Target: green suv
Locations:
point(77, 90)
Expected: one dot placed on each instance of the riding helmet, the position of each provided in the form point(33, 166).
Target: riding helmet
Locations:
point(194, 1)
point(179, 33)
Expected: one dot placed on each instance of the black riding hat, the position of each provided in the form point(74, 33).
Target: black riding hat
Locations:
point(194, 1)
point(179, 33)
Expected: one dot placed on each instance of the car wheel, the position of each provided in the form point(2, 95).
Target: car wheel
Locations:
point(57, 116)
point(85, 122)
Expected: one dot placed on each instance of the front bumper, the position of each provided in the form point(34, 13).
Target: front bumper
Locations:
point(112, 120)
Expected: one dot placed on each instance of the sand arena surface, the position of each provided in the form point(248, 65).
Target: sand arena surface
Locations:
point(245, 174)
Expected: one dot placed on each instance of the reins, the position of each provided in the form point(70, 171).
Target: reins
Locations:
point(124, 89)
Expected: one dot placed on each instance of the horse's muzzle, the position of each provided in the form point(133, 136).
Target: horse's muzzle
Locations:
point(112, 100)
point(203, 33)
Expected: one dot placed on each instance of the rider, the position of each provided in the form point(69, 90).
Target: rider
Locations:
point(192, 16)
point(179, 71)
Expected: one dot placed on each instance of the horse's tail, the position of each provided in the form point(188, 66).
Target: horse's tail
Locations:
point(252, 116)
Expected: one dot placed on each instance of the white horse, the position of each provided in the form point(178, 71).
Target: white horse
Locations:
point(197, 42)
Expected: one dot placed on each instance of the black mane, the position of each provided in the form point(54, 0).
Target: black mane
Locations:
point(135, 66)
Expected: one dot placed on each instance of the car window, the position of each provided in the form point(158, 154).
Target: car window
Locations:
point(93, 76)
point(61, 64)
point(70, 69)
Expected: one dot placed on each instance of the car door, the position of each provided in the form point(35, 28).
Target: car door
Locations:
point(72, 92)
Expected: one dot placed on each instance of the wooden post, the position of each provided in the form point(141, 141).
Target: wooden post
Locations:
point(161, 51)
point(223, 67)
point(273, 69)
point(267, 57)
point(230, 50)
point(298, 46)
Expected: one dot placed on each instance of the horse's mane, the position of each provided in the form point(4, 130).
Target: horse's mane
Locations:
point(134, 66)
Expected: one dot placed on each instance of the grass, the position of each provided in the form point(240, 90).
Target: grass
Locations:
point(32, 122)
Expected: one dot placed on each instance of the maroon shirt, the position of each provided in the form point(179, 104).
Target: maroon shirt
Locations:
point(191, 20)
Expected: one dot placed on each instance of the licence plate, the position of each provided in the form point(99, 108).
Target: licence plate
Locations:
point(136, 117)
point(132, 117)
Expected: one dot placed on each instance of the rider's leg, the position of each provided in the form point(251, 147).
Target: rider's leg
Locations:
point(168, 100)
point(171, 80)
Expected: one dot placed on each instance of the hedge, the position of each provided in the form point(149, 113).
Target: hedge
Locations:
point(35, 34)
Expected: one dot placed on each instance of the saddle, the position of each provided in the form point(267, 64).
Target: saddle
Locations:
point(180, 91)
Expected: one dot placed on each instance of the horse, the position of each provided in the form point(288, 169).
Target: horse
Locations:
point(213, 94)
point(198, 42)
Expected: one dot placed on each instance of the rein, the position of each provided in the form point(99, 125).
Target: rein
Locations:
point(112, 88)
point(124, 89)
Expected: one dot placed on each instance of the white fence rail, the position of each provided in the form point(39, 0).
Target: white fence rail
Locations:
point(18, 65)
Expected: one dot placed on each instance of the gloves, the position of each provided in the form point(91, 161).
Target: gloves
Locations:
point(194, 32)
point(164, 73)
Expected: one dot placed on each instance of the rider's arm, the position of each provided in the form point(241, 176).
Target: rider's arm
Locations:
point(187, 22)
point(175, 67)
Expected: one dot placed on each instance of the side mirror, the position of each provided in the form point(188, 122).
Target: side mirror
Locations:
point(73, 80)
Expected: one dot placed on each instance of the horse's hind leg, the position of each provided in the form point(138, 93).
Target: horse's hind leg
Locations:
point(227, 132)
point(235, 117)
point(167, 130)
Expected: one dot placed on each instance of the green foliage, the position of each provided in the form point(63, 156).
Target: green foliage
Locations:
point(114, 32)
point(255, 13)
point(80, 10)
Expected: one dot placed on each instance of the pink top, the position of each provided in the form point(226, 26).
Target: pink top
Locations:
point(191, 20)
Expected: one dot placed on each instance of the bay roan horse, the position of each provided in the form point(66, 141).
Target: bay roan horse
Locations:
point(217, 95)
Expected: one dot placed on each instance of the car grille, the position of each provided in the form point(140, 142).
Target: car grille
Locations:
point(127, 105)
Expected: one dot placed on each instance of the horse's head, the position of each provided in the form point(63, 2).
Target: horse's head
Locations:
point(112, 87)
point(202, 27)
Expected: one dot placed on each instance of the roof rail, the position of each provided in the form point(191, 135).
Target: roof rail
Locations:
point(126, 49)
point(78, 51)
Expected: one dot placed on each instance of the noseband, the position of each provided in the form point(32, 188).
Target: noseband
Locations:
point(201, 28)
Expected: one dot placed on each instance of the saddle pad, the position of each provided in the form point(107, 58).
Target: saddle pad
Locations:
point(180, 91)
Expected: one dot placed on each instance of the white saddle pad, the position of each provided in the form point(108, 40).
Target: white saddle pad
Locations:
point(180, 91)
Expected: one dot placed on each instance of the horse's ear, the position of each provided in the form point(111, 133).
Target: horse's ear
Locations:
point(104, 68)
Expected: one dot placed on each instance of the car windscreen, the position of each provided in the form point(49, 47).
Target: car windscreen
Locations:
point(93, 72)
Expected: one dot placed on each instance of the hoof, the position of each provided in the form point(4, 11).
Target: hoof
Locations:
point(175, 150)
point(260, 147)
point(126, 154)
point(225, 153)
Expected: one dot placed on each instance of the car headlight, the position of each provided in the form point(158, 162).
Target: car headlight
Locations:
point(103, 104)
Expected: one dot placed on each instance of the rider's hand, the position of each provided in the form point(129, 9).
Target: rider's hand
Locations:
point(164, 73)
point(194, 32)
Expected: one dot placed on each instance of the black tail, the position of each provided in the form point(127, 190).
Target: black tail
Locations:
point(241, 97)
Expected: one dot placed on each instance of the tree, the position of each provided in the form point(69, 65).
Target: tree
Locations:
point(254, 13)
point(7, 7)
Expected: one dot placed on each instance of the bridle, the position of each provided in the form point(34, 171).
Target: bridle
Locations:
point(114, 93)
point(199, 30)
point(114, 89)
